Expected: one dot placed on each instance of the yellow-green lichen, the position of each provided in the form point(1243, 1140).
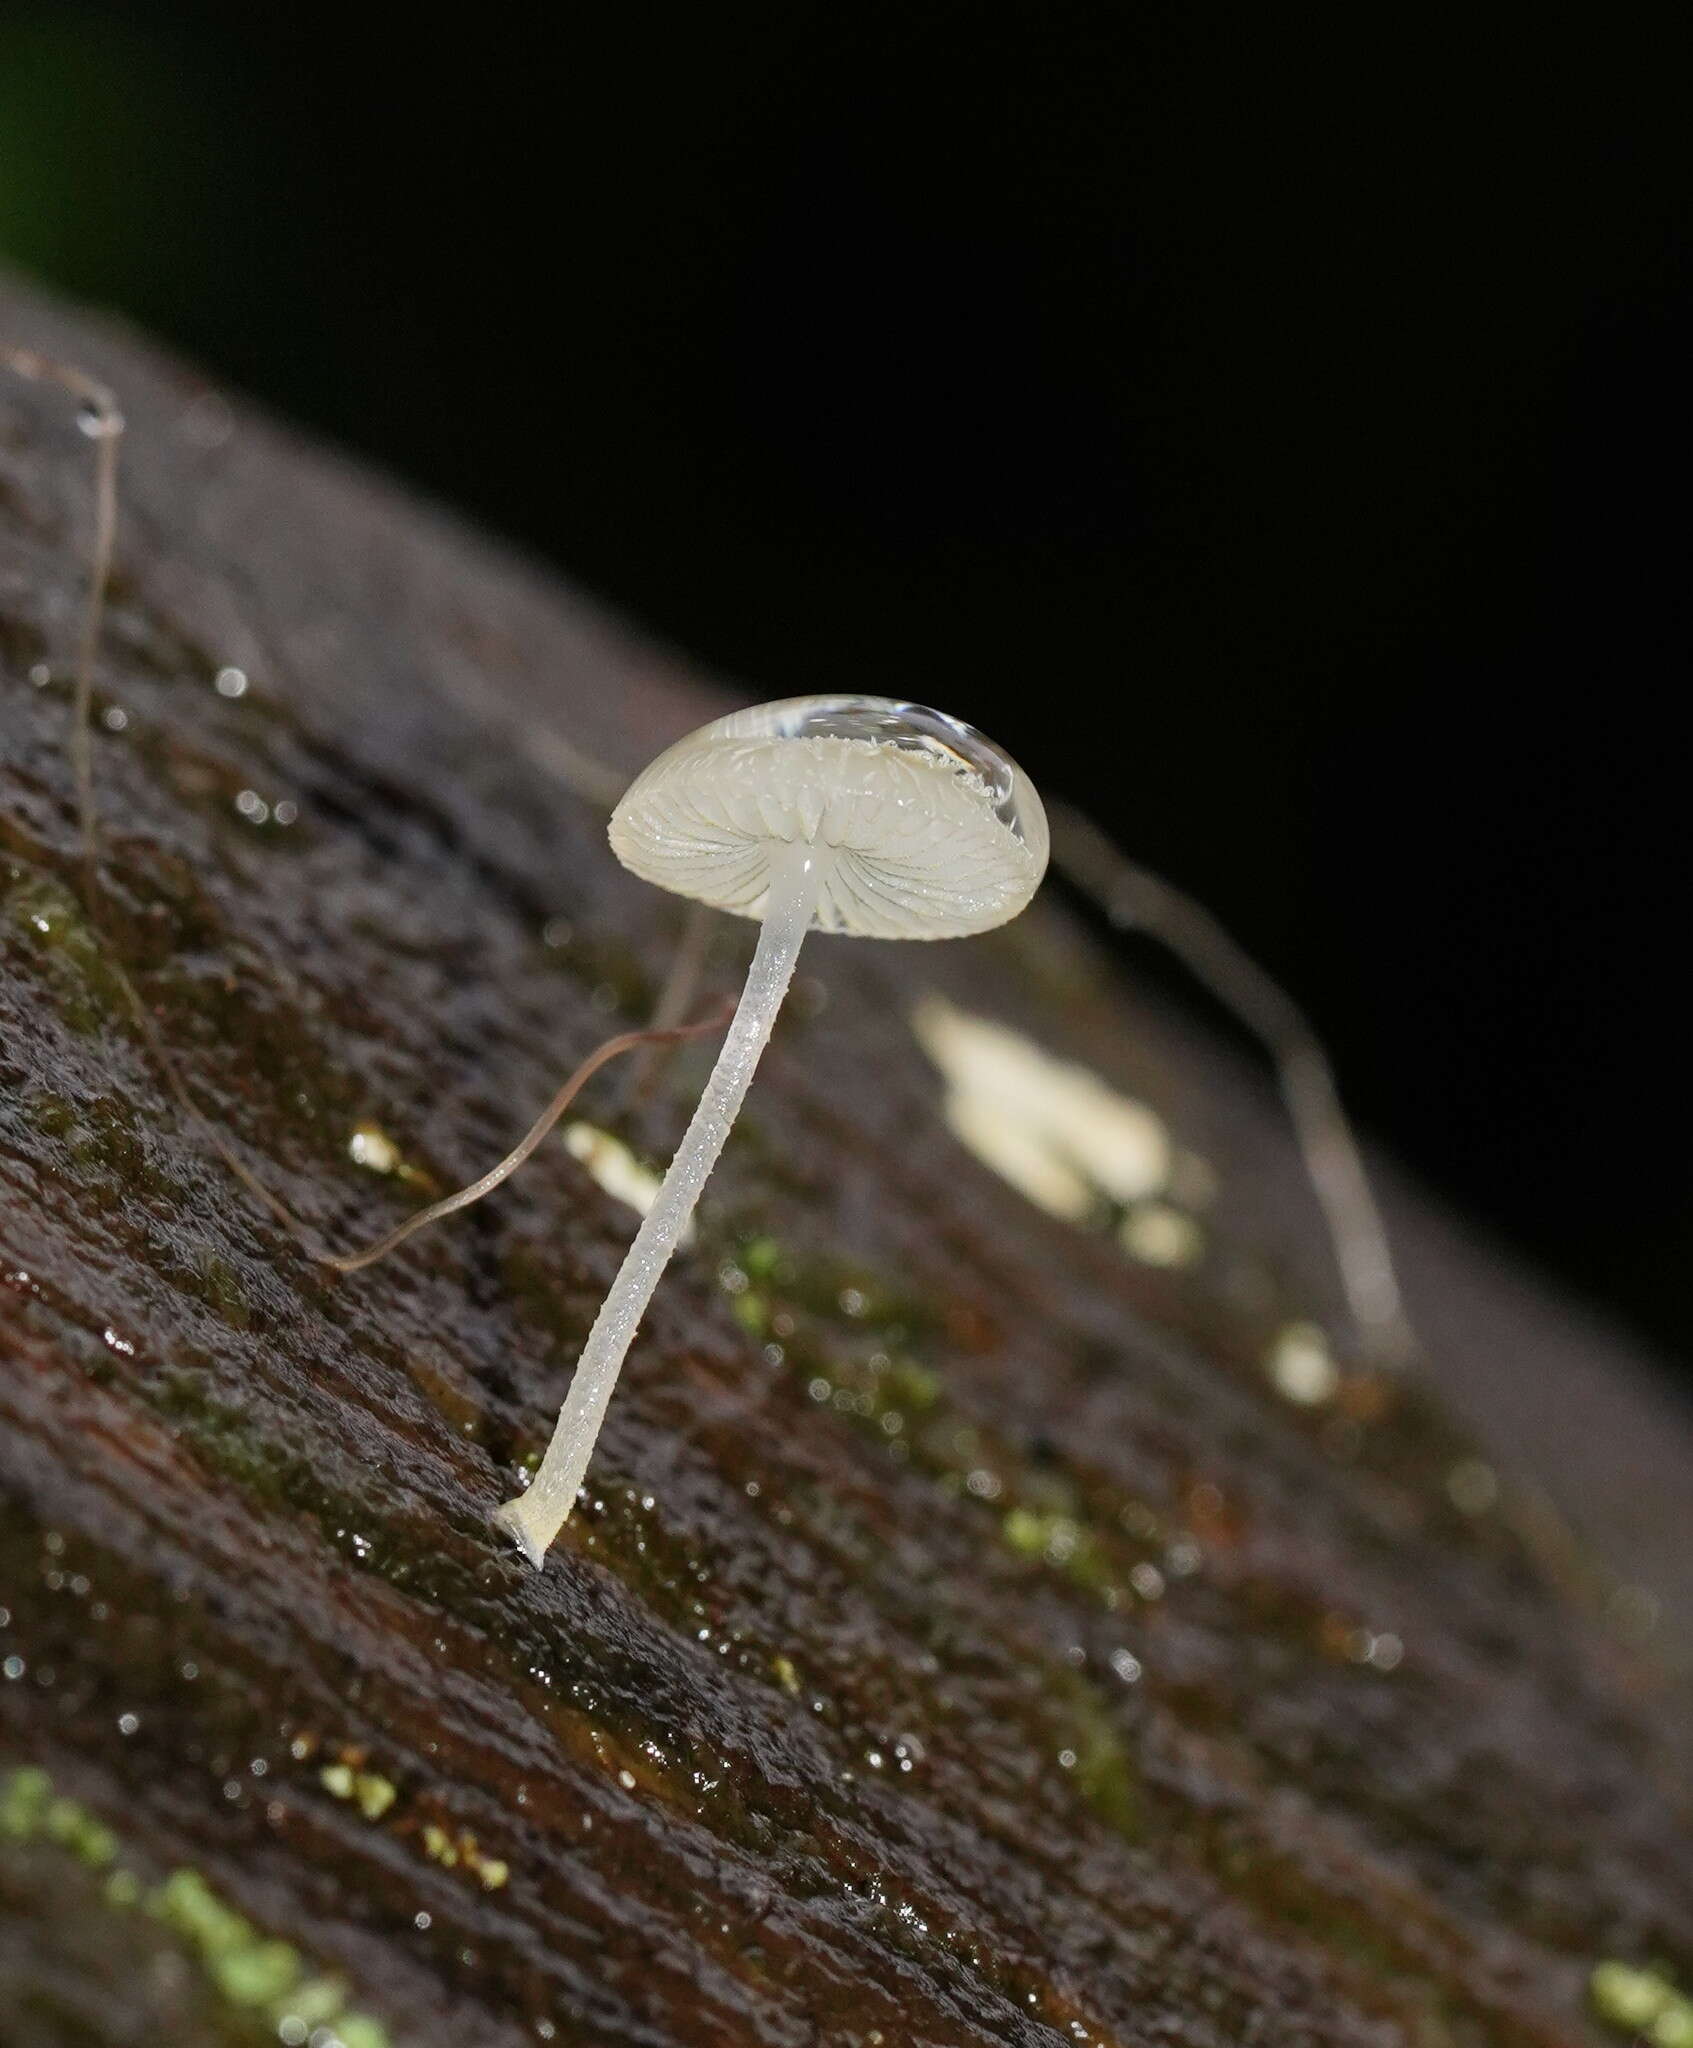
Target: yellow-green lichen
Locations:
point(751, 1310)
point(1095, 1756)
point(249, 1970)
point(453, 1851)
point(847, 1338)
point(1067, 1546)
point(370, 1792)
point(30, 1811)
point(370, 1146)
point(440, 1847)
point(1644, 2002)
point(759, 1257)
point(374, 1795)
point(67, 948)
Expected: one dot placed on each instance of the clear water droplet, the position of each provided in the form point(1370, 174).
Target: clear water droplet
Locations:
point(97, 421)
point(913, 728)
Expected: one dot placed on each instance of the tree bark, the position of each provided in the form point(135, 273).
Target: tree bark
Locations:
point(969, 1640)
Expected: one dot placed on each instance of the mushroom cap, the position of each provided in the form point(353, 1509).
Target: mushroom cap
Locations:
point(926, 829)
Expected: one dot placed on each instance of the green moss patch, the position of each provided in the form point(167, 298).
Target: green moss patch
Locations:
point(250, 1971)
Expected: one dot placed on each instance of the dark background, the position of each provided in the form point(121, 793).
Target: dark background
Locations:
point(1274, 429)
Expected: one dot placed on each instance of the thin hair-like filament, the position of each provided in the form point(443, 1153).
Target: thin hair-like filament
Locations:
point(1135, 899)
point(104, 423)
point(449, 1205)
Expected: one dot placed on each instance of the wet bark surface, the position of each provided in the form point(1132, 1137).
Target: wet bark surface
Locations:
point(967, 1639)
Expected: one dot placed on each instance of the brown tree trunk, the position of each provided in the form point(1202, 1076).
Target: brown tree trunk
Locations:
point(970, 1641)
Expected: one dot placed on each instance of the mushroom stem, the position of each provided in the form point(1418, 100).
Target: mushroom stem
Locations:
point(534, 1518)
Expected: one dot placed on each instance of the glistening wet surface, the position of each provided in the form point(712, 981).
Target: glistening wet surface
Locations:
point(975, 1633)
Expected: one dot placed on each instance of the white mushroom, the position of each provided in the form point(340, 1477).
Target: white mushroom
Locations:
point(840, 814)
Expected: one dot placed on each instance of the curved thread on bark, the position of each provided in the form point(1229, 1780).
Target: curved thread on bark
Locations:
point(1135, 899)
point(102, 420)
point(449, 1205)
point(860, 815)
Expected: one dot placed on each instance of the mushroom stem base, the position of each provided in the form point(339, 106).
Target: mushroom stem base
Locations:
point(534, 1518)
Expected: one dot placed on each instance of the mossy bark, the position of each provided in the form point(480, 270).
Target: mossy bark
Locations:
point(968, 1640)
